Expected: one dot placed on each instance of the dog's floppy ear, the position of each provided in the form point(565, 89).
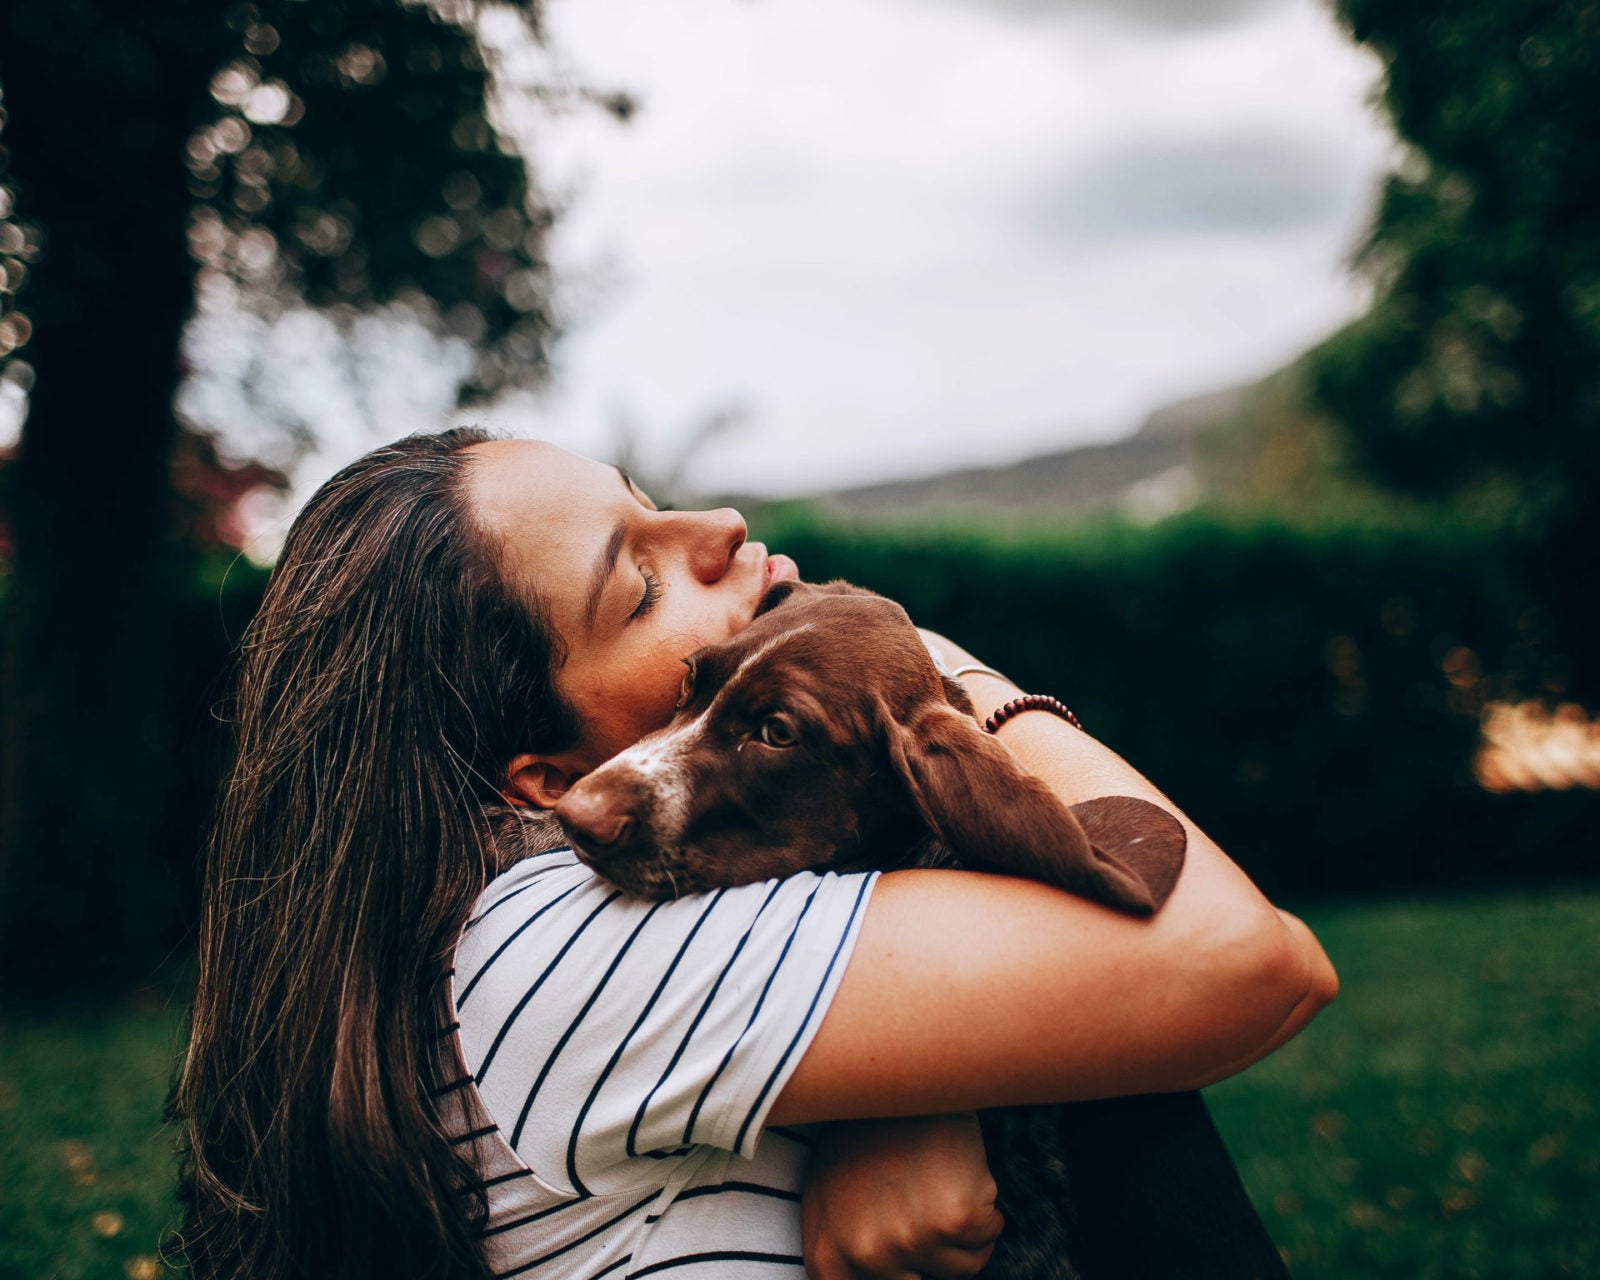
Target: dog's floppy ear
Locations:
point(1117, 850)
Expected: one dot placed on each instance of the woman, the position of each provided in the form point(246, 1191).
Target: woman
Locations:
point(457, 628)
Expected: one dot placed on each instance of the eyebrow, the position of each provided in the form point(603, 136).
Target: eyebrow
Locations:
point(604, 566)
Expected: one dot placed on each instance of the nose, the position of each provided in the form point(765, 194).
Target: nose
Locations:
point(595, 818)
point(716, 539)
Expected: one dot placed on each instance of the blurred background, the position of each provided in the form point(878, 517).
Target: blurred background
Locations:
point(1229, 368)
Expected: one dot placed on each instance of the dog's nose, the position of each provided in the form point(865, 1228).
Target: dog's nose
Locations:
point(594, 819)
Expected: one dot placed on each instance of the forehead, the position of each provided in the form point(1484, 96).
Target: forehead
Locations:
point(550, 511)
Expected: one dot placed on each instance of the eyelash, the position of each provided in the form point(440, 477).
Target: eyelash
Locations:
point(652, 593)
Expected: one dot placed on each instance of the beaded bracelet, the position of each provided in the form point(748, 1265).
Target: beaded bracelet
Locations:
point(1031, 702)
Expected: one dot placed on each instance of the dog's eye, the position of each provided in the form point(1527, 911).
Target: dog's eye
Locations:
point(775, 731)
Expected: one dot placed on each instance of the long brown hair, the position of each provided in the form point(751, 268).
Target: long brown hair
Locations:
point(387, 679)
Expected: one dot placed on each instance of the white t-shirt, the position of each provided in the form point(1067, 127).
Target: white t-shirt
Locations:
point(625, 1055)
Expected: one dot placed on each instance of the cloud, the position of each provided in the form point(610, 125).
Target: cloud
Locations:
point(1243, 183)
point(1158, 15)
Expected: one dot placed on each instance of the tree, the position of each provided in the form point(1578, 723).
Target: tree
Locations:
point(1476, 374)
point(339, 152)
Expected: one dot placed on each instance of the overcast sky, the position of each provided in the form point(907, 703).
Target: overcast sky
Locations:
point(908, 235)
point(900, 235)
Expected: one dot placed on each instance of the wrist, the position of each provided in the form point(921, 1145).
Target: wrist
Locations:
point(988, 690)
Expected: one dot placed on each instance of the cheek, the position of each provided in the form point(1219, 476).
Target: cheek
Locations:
point(643, 690)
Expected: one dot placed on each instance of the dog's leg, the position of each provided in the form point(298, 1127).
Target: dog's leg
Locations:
point(1157, 1196)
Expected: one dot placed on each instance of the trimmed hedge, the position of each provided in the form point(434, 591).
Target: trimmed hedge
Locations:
point(1291, 689)
point(1309, 697)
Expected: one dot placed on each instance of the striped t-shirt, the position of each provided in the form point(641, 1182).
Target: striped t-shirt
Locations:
point(625, 1055)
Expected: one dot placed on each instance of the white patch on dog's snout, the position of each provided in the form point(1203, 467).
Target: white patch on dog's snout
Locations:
point(660, 763)
point(657, 767)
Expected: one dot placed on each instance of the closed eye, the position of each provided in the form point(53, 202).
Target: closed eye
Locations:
point(652, 593)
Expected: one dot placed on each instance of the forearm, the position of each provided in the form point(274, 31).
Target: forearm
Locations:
point(967, 990)
point(1212, 892)
point(1213, 896)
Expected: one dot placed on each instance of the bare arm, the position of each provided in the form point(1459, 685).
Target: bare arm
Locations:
point(971, 991)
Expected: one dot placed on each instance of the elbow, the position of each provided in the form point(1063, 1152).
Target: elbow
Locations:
point(1319, 978)
point(1264, 973)
point(1324, 979)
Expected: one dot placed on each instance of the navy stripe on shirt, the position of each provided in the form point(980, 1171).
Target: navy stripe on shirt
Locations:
point(616, 1056)
point(507, 1177)
point(583, 1239)
point(535, 1217)
point(720, 1255)
point(683, 1045)
point(572, 1027)
point(772, 1079)
point(505, 1027)
point(719, 1188)
point(516, 933)
point(694, 1114)
point(500, 902)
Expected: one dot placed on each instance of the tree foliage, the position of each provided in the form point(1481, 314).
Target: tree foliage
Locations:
point(1477, 371)
point(1480, 355)
point(340, 153)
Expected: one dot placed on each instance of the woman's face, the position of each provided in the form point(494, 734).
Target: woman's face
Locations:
point(631, 590)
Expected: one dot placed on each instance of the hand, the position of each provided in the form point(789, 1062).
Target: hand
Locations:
point(899, 1200)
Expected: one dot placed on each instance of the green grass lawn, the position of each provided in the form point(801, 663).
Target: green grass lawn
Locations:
point(85, 1168)
point(1439, 1121)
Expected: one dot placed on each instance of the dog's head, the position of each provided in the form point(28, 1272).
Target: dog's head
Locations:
point(824, 736)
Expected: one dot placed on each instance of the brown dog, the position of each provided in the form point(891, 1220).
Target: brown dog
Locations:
point(824, 736)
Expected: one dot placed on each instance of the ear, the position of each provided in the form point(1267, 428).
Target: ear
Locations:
point(537, 782)
point(956, 693)
point(988, 812)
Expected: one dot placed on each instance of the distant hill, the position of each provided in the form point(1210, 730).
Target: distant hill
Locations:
point(1150, 474)
point(1258, 448)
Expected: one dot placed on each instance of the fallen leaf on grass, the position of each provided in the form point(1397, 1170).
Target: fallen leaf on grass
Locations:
point(1457, 1201)
point(1397, 1198)
point(1545, 1148)
point(79, 1159)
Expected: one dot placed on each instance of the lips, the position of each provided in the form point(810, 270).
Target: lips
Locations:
point(780, 569)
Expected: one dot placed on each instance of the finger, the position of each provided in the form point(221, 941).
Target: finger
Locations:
point(955, 1263)
point(826, 1262)
point(982, 1229)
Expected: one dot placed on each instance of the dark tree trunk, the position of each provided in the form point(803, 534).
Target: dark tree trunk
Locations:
point(99, 101)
